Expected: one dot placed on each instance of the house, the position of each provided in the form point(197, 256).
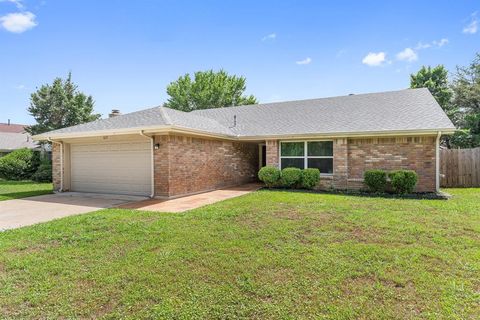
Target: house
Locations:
point(162, 152)
point(13, 137)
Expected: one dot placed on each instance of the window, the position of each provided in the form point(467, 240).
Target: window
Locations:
point(307, 154)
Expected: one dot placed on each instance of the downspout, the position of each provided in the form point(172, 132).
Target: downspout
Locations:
point(152, 189)
point(437, 162)
point(61, 162)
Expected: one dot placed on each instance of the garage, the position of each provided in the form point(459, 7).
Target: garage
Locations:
point(111, 167)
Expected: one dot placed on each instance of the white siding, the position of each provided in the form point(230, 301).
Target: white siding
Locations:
point(111, 167)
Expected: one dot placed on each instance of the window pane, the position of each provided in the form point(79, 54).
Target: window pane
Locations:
point(320, 148)
point(324, 165)
point(293, 162)
point(292, 149)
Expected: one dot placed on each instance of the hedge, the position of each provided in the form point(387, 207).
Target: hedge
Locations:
point(376, 180)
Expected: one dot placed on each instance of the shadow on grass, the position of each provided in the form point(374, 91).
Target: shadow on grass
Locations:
point(411, 196)
point(24, 194)
point(16, 182)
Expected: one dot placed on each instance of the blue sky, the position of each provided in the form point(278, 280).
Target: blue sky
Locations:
point(124, 53)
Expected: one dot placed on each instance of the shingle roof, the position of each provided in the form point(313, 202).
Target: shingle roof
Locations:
point(12, 140)
point(410, 109)
point(11, 127)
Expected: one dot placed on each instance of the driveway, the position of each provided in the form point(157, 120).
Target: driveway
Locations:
point(27, 211)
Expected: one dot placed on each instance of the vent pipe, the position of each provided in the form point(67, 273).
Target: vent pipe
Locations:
point(114, 113)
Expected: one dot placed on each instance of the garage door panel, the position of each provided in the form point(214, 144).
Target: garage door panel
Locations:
point(123, 168)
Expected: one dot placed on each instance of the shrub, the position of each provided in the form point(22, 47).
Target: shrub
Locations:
point(310, 178)
point(43, 173)
point(291, 177)
point(376, 180)
point(19, 164)
point(269, 175)
point(403, 181)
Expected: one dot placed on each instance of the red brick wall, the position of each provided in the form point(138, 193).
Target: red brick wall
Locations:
point(56, 166)
point(272, 153)
point(185, 165)
point(351, 157)
point(393, 153)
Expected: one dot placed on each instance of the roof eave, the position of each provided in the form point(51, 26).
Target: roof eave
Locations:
point(182, 130)
point(130, 131)
point(352, 134)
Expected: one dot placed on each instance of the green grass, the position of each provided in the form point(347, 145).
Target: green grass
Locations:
point(21, 189)
point(267, 255)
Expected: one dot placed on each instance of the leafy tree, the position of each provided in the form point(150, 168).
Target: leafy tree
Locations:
point(59, 105)
point(208, 89)
point(436, 80)
point(466, 97)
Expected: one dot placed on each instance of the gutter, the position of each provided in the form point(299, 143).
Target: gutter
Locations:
point(152, 187)
point(61, 162)
point(437, 162)
point(189, 131)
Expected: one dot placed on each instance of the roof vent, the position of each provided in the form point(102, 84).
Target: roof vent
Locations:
point(114, 113)
point(351, 94)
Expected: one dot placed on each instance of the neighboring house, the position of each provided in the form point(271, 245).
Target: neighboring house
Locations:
point(13, 137)
point(167, 153)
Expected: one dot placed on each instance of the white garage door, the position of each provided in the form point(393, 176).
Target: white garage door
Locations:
point(114, 167)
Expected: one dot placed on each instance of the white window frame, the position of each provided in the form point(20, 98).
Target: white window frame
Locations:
point(305, 155)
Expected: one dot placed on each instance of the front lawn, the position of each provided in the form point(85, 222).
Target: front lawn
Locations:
point(21, 189)
point(267, 255)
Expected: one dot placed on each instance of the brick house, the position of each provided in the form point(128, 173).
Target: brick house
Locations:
point(160, 152)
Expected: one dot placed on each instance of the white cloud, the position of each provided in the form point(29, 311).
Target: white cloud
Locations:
point(407, 55)
point(422, 45)
point(307, 60)
point(435, 43)
point(17, 3)
point(441, 42)
point(271, 36)
point(18, 22)
point(472, 27)
point(20, 87)
point(373, 59)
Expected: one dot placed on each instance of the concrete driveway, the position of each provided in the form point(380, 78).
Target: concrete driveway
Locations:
point(27, 211)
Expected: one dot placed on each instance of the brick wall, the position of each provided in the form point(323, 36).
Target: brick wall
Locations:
point(393, 153)
point(272, 153)
point(56, 166)
point(185, 165)
point(351, 157)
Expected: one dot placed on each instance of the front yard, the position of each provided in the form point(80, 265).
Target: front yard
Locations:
point(274, 255)
point(21, 189)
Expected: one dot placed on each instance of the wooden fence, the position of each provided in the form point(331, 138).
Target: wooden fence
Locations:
point(460, 167)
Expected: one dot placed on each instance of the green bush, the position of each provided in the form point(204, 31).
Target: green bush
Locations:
point(270, 176)
point(376, 180)
point(43, 173)
point(19, 164)
point(310, 178)
point(291, 177)
point(403, 181)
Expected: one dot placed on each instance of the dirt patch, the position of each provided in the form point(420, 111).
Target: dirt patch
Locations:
point(398, 295)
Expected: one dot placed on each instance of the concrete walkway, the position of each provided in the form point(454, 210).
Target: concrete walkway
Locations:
point(193, 201)
point(27, 211)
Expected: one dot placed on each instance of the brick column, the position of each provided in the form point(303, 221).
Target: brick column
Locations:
point(340, 163)
point(272, 153)
point(161, 159)
point(56, 166)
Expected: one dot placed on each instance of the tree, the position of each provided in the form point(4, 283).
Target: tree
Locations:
point(466, 97)
point(208, 89)
point(59, 105)
point(436, 80)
